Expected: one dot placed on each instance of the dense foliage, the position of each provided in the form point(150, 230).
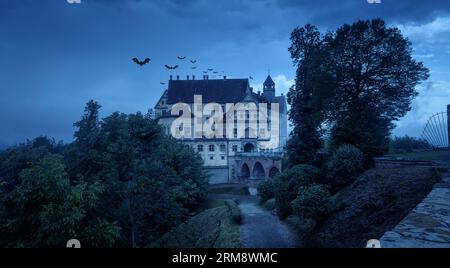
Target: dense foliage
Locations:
point(345, 166)
point(306, 113)
point(266, 190)
point(122, 182)
point(288, 183)
point(407, 144)
point(357, 80)
point(312, 202)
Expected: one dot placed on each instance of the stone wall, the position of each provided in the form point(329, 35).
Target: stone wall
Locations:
point(217, 174)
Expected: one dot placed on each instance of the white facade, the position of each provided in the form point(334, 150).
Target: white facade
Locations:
point(218, 153)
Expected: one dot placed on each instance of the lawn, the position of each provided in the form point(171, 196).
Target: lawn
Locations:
point(440, 155)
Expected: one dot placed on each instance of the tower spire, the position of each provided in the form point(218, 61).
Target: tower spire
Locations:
point(269, 87)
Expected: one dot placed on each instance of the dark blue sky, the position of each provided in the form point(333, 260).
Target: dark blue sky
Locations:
point(55, 56)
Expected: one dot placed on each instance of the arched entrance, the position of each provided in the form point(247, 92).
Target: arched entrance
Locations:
point(245, 171)
point(249, 147)
point(273, 172)
point(258, 170)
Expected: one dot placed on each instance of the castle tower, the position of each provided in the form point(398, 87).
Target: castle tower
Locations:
point(269, 88)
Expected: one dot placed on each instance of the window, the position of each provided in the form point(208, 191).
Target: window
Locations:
point(223, 157)
point(211, 157)
point(222, 147)
point(234, 148)
point(200, 147)
point(211, 148)
point(235, 132)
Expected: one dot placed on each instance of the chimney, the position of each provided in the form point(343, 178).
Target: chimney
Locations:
point(225, 77)
point(178, 77)
point(193, 77)
point(170, 77)
point(187, 77)
point(207, 77)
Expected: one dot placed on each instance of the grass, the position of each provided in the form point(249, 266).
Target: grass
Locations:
point(232, 189)
point(212, 228)
point(443, 155)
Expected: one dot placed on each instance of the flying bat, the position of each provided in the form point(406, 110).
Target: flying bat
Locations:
point(251, 78)
point(210, 70)
point(141, 63)
point(181, 58)
point(193, 61)
point(162, 83)
point(194, 67)
point(214, 72)
point(171, 67)
point(205, 72)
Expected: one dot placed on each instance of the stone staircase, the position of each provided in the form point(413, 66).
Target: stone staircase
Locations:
point(427, 225)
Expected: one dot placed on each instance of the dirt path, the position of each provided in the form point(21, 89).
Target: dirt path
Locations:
point(262, 229)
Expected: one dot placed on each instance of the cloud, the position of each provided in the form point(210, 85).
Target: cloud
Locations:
point(433, 98)
point(282, 84)
point(329, 13)
point(427, 30)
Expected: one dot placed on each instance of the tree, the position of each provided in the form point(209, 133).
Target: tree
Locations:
point(376, 79)
point(306, 113)
point(151, 181)
point(88, 127)
point(408, 144)
point(45, 210)
point(127, 183)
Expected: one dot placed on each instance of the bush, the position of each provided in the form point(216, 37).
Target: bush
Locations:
point(266, 190)
point(235, 211)
point(287, 184)
point(269, 204)
point(312, 202)
point(345, 166)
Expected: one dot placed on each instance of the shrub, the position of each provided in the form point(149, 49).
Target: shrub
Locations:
point(269, 204)
point(235, 211)
point(345, 166)
point(286, 186)
point(312, 202)
point(265, 190)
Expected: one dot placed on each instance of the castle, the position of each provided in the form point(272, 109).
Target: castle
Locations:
point(230, 155)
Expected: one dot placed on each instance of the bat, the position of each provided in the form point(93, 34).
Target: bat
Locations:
point(210, 70)
point(194, 67)
point(251, 78)
point(214, 72)
point(205, 72)
point(171, 67)
point(141, 63)
point(162, 83)
point(181, 58)
point(193, 61)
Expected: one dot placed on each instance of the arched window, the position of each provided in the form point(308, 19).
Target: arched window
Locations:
point(245, 171)
point(273, 172)
point(248, 148)
point(258, 170)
